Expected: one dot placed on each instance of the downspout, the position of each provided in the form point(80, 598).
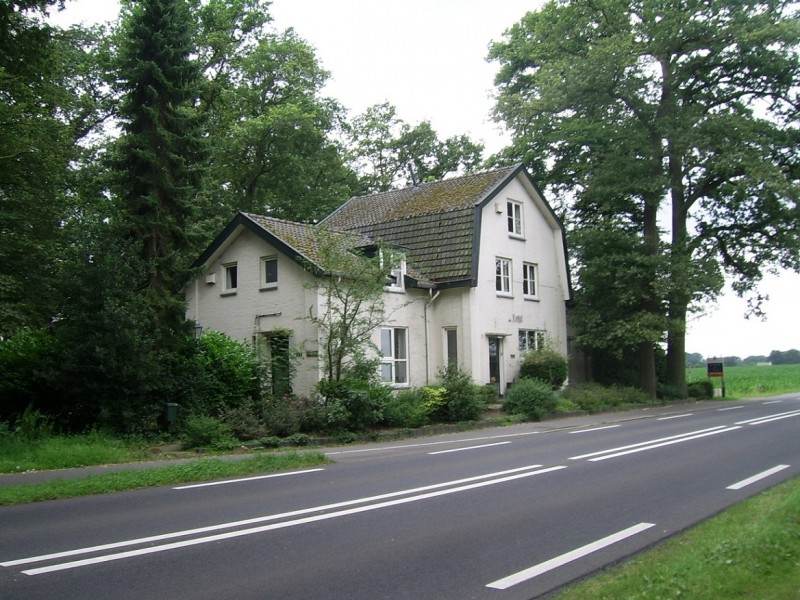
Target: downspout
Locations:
point(432, 298)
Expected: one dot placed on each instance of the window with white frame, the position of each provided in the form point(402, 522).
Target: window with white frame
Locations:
point(397, 273)
point(502, 275)
point(531, 339)
point(269, 272)
point(231, 277)
point(514, 217)
point(530, 278)
point(394, 359)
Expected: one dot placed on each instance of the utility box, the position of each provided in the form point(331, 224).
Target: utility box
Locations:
point(171, 412)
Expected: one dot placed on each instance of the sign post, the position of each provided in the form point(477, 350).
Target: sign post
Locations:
point(716, 369)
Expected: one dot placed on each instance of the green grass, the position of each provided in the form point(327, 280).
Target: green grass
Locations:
point(198, 470)
point(750, 551)
point(19, 454)
point(750, 381)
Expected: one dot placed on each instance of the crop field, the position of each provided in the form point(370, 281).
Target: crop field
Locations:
point(750, 381)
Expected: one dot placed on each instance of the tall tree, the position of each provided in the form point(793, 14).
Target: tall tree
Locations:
point(388, 152)
point(634, 107)
point(160, 155)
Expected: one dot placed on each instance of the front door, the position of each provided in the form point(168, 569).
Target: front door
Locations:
point(495, 370)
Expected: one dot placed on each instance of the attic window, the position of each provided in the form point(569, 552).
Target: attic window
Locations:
point(514, 217)
point(396, 276)
point(231, 278)
point(269, 272)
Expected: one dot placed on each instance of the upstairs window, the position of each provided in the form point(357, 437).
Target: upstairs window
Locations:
point(394, 351)
point(397, 274)
point(514, 217)
point(530, 273)
point(502, 275)
point(231, 277)
point(269, 272)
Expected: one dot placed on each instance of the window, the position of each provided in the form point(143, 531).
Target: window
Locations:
point(531, 339)
point(269, 272)
point(451, 346)
point(394, 348)
point(514, 216)
point(529, 280)
point(502, 275)
point(231, 277)
point(397, 274)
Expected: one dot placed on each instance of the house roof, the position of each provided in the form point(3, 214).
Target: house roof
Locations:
point(436, 222)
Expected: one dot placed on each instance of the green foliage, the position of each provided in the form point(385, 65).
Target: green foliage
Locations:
point(351, 403)
point(713, 130)
point(702, 390)
point(228, 374)
point(408, 409)
point(531, 398)
point(751, 381)
point(594, 398)
point(27, 367)
point(790, 357)
point(545, 365)
point(200, 431)
point(463, 400)
point(199, 470)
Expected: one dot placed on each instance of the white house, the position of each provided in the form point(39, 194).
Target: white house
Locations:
point(484, 279)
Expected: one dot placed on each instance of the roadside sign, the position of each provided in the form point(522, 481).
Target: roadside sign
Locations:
point(715, 369)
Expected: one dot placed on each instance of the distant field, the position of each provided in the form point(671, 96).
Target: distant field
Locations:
point(749, 381)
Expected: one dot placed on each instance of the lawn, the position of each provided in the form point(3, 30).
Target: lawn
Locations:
point(750, 381)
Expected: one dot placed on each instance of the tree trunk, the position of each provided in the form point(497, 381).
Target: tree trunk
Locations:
point(647, 368)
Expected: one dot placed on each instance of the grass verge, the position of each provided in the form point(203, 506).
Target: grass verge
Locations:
point(200, 470)
point(751, 550)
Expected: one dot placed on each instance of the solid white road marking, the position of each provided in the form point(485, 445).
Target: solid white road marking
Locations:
point(243, 479)
point(468, 448)
point(595, 429)
point(559, 561)
point(770, 418)
point(422, 445)
point(674, 417)
point(647, 443)
point(758, 477)
point(294, 513)
point(668, 443)
point(772, 402)
point(282, 525)
point(729, 408)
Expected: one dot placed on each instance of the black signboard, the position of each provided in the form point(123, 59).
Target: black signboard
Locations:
point(715, 369)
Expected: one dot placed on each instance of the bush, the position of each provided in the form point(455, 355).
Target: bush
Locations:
point(408, 409)
point(284, 416)
point(545, 365)
point(593, 397)
point(244, 421)
point(463, 400)
point(701, 389)
point(200, 431)
point(531, 398)
point(352, 403)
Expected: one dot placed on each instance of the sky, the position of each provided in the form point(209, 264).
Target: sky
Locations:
point(427, 58)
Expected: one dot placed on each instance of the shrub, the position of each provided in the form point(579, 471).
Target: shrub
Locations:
point(244, 421)
point(200, 431)
point(299, 439)
point(593, 397)
point(463, 400)
point(408, 409)
point(532, 398)
point(701, 389)
point(228, 373)
point(354, 403)
point(545, 365)
point(284, 415)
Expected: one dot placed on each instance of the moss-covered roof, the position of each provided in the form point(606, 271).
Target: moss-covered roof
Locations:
point(435, 222)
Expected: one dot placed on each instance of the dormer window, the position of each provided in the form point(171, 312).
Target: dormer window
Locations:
point(514, 218)
point(396, 276)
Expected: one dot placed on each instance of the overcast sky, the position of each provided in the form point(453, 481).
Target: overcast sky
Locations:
point(427, 57)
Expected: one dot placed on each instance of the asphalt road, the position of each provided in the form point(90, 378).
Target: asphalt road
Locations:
point(506, 513)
